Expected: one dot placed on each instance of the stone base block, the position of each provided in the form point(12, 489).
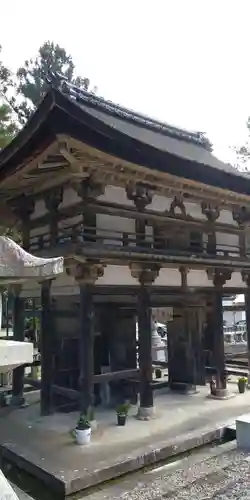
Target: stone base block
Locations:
point(221, 394)
point(243, 432)
point(183, 388)
point(18, 402)
point(145, 413)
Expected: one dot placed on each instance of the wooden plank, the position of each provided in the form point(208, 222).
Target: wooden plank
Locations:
point(119, 375)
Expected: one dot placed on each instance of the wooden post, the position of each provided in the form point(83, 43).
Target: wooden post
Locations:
point(86, 275)
point(142, 196)
point(86, 350)
point(145, 348)
point(246, 278)
point(52, 201)
point(18, 335)
point(46, 346)
point(212, 213)
point(146, 276)
point(220, 278)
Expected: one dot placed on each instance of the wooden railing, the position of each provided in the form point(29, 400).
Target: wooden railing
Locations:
point(128, 241)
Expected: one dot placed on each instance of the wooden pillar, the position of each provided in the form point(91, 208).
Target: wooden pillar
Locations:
point(246, 278)
point(142, 196)
point(88, 190)
point(23, 209)
point(52, 201)
point(18, 335)
point(146, 276)
point(86, 275)
point(46, 346)
point(220, 277)
point(212, 213)
point(86, 350)
point(241, 215)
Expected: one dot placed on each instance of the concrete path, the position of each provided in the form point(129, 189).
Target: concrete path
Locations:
point(45, 448)
point(220, 473)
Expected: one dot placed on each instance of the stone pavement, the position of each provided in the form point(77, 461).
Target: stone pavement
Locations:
point(44, 446)
point(220, 473)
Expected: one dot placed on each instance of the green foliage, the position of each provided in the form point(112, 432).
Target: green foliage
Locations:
point(123, 409)
point(83, 423)
point(32, 75)
point(8, 127)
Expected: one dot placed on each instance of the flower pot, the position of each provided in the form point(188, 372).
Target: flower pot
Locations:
point(83, 436)
point(241, 387)
point(121, 419)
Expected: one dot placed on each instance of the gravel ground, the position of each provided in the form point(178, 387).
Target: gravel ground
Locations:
point(219, 473)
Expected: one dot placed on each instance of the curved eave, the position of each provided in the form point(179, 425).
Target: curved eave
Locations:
point(58, 114)
point(30, 139)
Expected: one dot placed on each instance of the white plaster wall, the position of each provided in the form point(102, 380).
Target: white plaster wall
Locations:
point(114, 194)
point(160, 203)
point(70, 197)
point(194, 210)
point(198, 278)
point(68, 223)
point(226, 217)
point(39, 209)
point(235, 281)
point(117, 275)
point(113, 226)
point(228, 242)
point(168, 277)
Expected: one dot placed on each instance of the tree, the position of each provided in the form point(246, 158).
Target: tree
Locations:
point(32, 76)
point(242, 152)
point(8, 128)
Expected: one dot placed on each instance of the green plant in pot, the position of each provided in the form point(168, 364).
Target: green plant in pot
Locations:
point(122, 413)
point(158, 373)
point(242, 382)
point(83, 430)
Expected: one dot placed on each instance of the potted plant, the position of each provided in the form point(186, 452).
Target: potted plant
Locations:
point(83, 430)
point(122, 413)
point(158, 373)
point(242, 381)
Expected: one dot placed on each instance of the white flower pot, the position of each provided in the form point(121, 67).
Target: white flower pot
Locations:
point(83, 436)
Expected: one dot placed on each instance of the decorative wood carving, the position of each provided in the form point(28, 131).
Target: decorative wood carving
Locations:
point(177, 203)
point(146, 274)
point(85, 273)
point(246, 277)
point(184, 272)
point(241, 215)
point(140, 194)
point(23, 207)
point(88, 188)
point(53, 199)
point(210, 210)
point(219, 276)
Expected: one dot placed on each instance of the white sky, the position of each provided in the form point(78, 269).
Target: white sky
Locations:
point(186, 62)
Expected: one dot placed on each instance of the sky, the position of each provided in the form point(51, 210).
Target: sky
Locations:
point(185, 62)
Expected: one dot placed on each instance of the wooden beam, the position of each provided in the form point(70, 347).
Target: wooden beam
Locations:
point(102, 207)
point(163, 180)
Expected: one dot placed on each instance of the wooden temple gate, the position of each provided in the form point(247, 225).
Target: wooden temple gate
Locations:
point(144, 216)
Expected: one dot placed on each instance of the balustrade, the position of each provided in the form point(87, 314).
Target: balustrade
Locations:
point(152, 243)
